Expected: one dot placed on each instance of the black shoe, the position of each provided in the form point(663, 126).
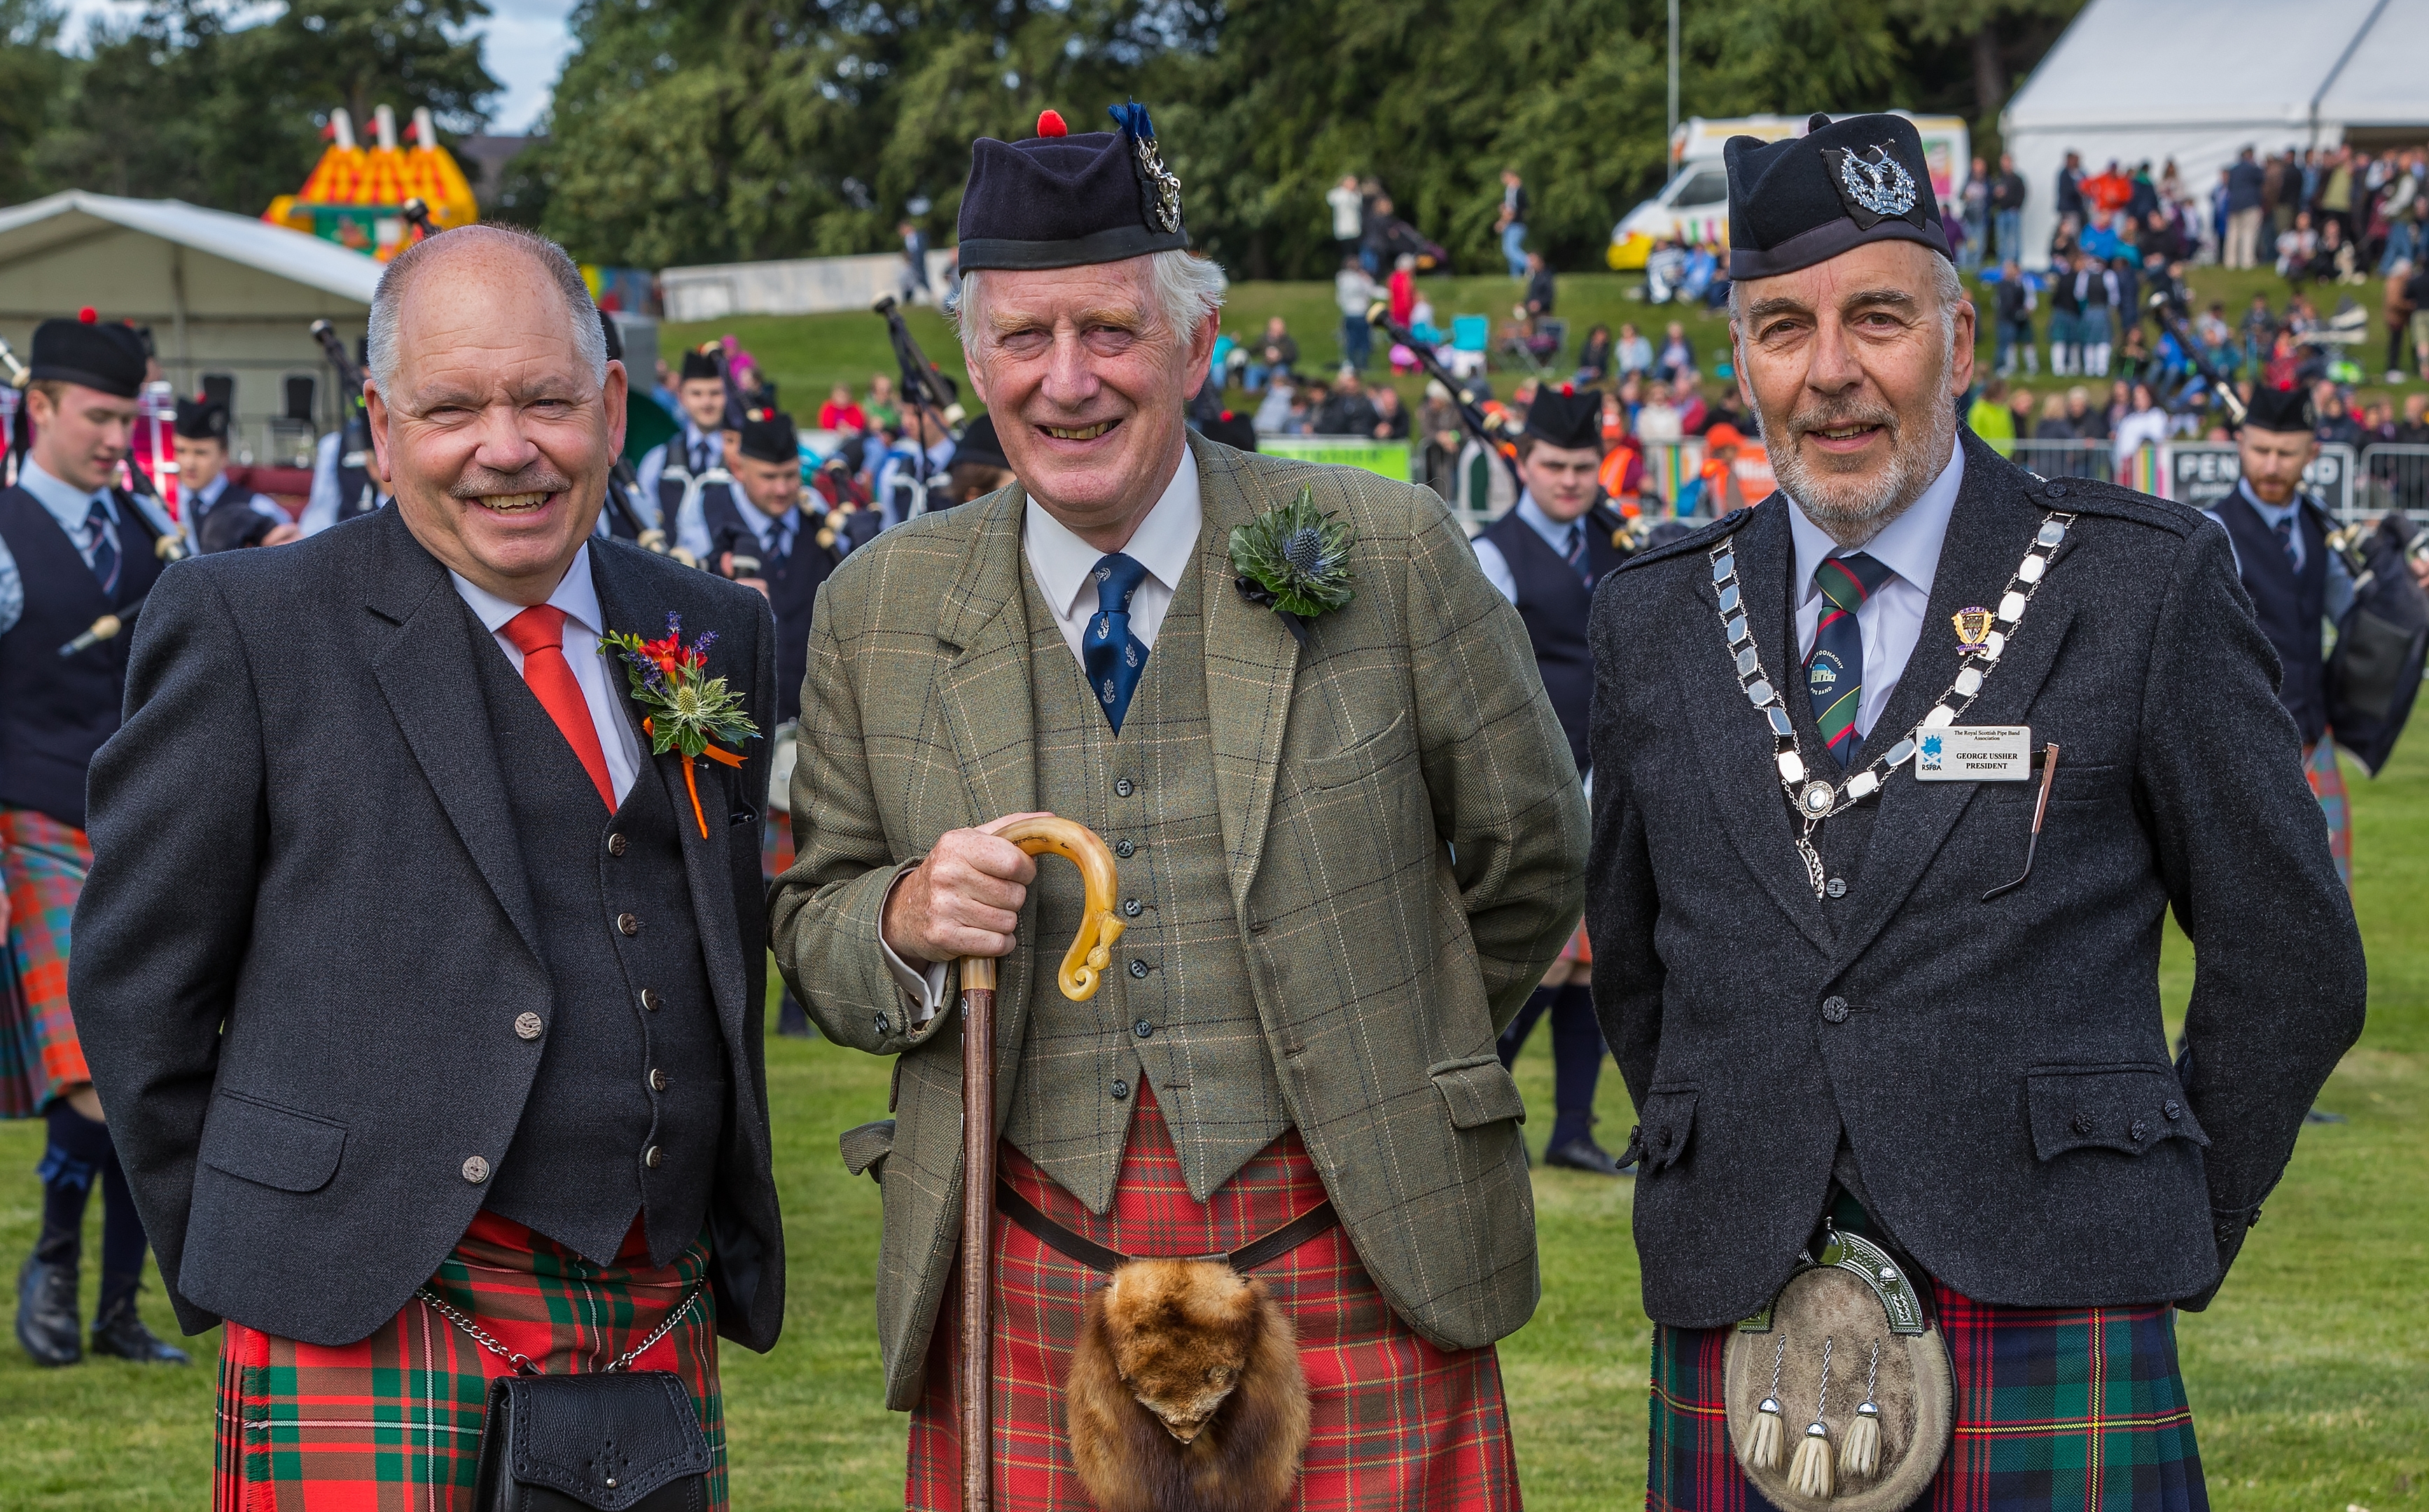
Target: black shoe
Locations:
point(123, 1334)
point(47, 1310)
point(1583, 1153)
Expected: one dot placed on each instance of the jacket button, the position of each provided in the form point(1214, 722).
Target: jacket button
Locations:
point(654, 1157)
point(2082, 1123)
point(884, 1026)
point(1124, 788)
point(1837, 887)
point(475, 1170)
point(627, 926)
point(2055, 490)
point(1129, 907)
point(1143, 1028)
point(657, 1080)
point(528, 1026)
point(650, 1000)
point(616, 844)
point(1125, 849)
point(1121, 1089)
point(2173, 1109)
point(1834, 1009)
point(2141, 1131)
point(1139, 969)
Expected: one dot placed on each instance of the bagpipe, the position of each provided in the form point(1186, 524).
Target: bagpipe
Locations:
point(926, 389)
point(1471, 418)
point(2374, 675)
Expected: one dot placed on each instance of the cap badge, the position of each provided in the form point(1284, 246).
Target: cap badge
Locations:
point(1973, 627)
point(1876, 189)
point(1164, 189)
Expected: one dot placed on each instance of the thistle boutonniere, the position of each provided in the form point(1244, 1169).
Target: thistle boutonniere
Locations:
point(688, 709)
point(1294, 560)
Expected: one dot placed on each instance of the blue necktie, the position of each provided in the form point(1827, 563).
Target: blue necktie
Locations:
point(2285, 529)
point(1575, 555)
point(1113, 656)
point(100, 548)
point(1834, 674)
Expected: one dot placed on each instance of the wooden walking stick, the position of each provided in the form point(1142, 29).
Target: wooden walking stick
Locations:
point(1083, 971)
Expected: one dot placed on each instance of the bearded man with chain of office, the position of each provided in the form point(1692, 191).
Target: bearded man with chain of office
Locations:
point(1921, 1190)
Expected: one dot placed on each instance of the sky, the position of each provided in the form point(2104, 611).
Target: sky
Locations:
point(523, 45)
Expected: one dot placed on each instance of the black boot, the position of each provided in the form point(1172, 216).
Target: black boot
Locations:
point(46, 1300)
point(117, 1330)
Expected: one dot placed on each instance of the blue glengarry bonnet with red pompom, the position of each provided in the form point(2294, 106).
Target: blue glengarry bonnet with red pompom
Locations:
point(1061, 201)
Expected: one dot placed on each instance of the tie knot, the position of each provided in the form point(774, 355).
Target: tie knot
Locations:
point(538, 628)
point(1848, 580)
point(98, 511)
point(1117, 576)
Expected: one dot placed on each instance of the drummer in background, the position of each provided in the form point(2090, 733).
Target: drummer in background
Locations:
point(218, 515)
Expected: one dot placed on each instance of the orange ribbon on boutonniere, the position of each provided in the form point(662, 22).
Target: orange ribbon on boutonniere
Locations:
point(687, 706)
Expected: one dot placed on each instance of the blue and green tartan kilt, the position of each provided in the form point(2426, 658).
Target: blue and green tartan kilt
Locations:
point(2078, 1410)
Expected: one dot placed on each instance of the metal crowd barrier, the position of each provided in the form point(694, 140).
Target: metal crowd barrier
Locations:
point(2394, 476)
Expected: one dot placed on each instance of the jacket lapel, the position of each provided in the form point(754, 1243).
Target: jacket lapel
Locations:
point(708, 859)
point(1987, 532)
point(1251, 667)
point(428, 674)
point(1737, 746)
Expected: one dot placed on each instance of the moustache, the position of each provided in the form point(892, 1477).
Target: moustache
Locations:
point(1838, 417)
point(483, 484)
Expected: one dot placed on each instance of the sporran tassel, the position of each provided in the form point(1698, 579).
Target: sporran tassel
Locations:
point(1769, 1428)
point(1809, 1473)
point(1861, 1452)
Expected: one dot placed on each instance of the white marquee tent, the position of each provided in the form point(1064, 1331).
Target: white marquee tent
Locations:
point(223, 294)
point(2199, 80)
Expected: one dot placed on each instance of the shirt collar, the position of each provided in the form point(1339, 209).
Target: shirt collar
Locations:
point(576, 593)
point(1908, 545)
point(1164, 542)
point(66, 504)
point(763, 524)
point(208, 496)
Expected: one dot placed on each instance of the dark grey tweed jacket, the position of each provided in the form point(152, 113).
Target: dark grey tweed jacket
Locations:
point(1999, 1070)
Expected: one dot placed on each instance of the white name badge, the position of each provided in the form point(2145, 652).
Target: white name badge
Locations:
point(1974, 753)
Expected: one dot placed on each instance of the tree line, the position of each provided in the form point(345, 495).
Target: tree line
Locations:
point(687, 131)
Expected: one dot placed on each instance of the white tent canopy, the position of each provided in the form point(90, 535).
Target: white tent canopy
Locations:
point(2200, 81)
point(223, 293)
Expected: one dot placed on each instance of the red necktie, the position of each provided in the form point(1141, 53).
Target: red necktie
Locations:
point(539, 632)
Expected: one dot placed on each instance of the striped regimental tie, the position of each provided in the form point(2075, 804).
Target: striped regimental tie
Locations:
point(1834, 674)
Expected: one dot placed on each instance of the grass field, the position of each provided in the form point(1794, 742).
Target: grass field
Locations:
point(2309, 1377)
point(810, 354)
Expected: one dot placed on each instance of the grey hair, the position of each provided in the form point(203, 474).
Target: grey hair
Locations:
point(1945, 285)
point(1182, 286)
point(387, 303)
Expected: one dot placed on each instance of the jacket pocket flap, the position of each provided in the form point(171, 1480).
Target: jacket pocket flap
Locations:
point(275, 1146)
point(865, 1148)
point(2129, 1107)
point(1663, 1124)
point(1479, 1090)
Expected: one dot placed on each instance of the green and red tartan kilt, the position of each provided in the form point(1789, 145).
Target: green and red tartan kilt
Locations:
point(392, 1424)
point(43, 865)
point(2328, 786)
point(2057, 1410)
point(1398, 1424)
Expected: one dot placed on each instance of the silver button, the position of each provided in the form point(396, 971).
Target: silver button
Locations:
point(882, 1027)
point(654, 1157)
point(475, 1170)
point(1143, 1028)
point(1125, 849)
point(615, 845)
point(1138, 970)
point(627, 926)
point(650, 1000)
point(1838, 887)
point(1121, 1090)
point(1834, 1009)
point(657, 1080)
point(528, 1026)
point(1129, 907)
point(1124, 788)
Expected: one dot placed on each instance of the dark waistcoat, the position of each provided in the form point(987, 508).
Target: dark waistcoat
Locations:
point(55, 710)
point(2291, 604)
point(1555, 601)
point(618, 1078)
point(792, 581)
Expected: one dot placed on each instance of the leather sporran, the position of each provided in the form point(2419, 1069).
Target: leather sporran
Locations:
point(1840, 1394)
point(1186, 1392)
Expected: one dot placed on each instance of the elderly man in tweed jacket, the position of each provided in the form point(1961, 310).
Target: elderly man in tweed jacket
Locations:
point(1343, 863)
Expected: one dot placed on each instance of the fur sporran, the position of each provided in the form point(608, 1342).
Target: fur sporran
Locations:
point(1185, 1393)
point(1840, 1394)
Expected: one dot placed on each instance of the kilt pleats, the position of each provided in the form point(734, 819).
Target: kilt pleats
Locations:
point(1398, 1424)
point(392, 1423)
point(2327, 780)
point(43, 865)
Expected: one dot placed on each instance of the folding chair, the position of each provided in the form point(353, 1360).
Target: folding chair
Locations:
point(1469, 334)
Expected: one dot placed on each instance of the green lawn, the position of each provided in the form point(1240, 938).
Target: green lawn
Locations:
point(810, 354)
point(2309, 1377)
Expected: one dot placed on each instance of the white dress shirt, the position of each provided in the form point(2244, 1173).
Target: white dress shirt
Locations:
point(601, 675)
point(1063, 565)
point(1551, 532)
point(68, 504)
point(1891, 621)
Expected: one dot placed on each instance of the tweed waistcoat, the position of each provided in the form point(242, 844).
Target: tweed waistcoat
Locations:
point(1177, 1007)
point(618, 1079)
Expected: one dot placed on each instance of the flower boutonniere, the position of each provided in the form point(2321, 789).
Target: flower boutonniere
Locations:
point(690, 710)
point(1294, 560)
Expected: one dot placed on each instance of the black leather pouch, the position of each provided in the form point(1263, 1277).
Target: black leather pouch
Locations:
point(622, 1443)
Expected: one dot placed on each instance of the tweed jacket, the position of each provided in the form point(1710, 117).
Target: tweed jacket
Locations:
point(310, 928)
point(1405, 839)
point(1997, 1068)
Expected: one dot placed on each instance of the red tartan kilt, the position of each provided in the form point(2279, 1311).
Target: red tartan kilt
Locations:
point(394, 1422)
point(43, 865)
point(1398, 1424)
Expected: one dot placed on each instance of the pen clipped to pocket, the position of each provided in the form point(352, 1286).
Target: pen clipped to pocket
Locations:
point(2046, 759)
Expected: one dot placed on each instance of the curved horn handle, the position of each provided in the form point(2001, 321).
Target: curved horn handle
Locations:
point(1091, 950)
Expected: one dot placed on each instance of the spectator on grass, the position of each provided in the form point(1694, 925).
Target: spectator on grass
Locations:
point(1403, 288)
point(1656, 421)
point(1349, 215)
point(2014, 306)
point(2244, 210)
point(1977, 216)
point(2020, 412)
point(1274, 410)
point(2413, 429)
point(2337, 425)
point(1687, 397)
point(1347, 411)
point(1277, 356)
point(1593, 358)
point(1990, 417)
point(1632, 353)
point(2395, 313)
point(2008, 192)
point(2296, 247)
point(2145, 424)
point(1438, 422)
point(2415, 293)
point(1511, 222)
point(2090, 423)
point(1676, 357)
point(1541, 291)
point(1352, 293)
point(1391, 416)
point(839, 413)
point(2070, 187)
point(884, 413)
point(2054, 424)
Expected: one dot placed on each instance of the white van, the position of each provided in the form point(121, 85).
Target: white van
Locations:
point(1694, 206)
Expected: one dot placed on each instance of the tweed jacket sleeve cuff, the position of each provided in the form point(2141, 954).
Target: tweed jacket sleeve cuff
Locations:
point(922, 990)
